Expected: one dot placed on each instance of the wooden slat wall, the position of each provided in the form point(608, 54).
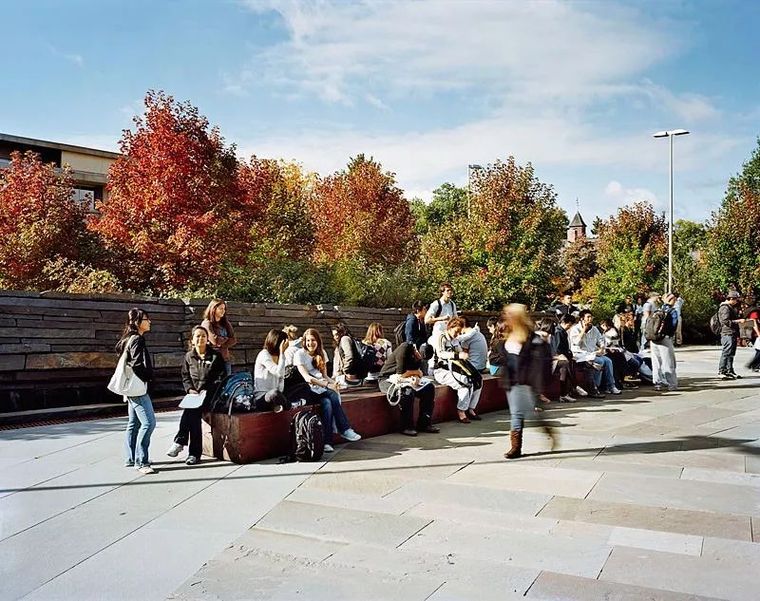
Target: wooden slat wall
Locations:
point(57, 349)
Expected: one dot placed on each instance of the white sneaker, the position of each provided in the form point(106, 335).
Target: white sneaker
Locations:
point(351, 436)
point(566, 399)
point(329, 448)
point(614, 390)
point(175, 449)
point(580, 391)
point(146, 469)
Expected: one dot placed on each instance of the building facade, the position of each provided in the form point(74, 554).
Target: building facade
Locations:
point(89, 166)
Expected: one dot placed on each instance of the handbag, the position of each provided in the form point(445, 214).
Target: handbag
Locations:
point(124, 381)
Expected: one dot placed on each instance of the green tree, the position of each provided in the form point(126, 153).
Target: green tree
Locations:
point(733, 252)
point(508, 248)
point(449, 201)
point(632, 256)
point(579, 264)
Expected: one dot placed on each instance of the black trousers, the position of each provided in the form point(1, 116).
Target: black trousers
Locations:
point(190, 430)
point(427, 402)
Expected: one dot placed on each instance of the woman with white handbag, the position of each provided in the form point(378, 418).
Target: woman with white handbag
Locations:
point(130, 379)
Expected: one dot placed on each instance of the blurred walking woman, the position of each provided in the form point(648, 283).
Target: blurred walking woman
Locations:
point(527, 373)
point(142, 420)
point(202, 369)
point(221, 334)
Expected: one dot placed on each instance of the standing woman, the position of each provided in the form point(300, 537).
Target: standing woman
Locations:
point(527, 374)
point(221, 335)
point(202, 369)
point(137, 438)
point(383, 348)
point(311, 361)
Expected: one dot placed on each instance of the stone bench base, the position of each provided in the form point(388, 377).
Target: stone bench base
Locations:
point(249, 437)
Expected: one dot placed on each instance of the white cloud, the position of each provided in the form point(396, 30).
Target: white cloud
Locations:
point(76, 59)
point(620, 195)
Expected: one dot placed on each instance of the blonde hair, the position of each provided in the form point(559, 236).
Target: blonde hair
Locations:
point(374, 333)
point(518, 322)
point(292, 331)
point(318, 358)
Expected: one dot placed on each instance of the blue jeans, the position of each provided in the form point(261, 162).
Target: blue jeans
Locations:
point(137, 439)
point(609, 374)
point(332, 410)
point(522, 401)
point(228, 368)
point(727, 352)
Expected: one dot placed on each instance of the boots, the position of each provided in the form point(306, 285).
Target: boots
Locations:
point(515, 438)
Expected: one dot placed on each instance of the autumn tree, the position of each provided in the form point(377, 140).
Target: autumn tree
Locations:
point(631, 254)
point(174, 211)
point(507, 248)
point(579, 264)
point(40, 224)
point(360, 215)
point(734, 240)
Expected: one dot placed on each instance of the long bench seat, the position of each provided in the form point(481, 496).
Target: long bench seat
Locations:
point(249, 437)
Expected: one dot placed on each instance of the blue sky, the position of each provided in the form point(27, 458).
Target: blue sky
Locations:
point(425, 87)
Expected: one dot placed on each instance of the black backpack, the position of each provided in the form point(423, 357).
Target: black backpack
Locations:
point(715, 325)
point(307, 441)
point(235, 394)
point(365, 360)
point(659, 325)
point(399, 332)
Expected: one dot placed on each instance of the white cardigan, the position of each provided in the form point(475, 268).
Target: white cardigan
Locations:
point(268, 375)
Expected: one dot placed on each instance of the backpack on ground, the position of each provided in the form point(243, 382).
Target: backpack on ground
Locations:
point(366, 360)
point(658, 326)
point(715, 325)
point(307, 441)
point(399, 332)
point(235, 394)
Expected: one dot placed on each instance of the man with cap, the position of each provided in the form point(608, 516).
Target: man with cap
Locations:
point(728, 316)
point(403, 374)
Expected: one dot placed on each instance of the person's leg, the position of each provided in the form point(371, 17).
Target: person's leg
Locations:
point(183, 433)
point(427, 404)
point(658, 377)
point(196, 433)
point(341, 421)
point(519, 399)
point(406, 404)
point(679, 331)
point(669, 363)
point(732, 354)
point(144, 411)
point(609, 374)
point(445, 377)
point(755, 362)
point(327, 416)
point(725, 343)
point(130, 435)
point(474, 398)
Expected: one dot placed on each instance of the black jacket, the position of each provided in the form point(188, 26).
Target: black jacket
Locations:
point(203, 374)
point(138, 357)
point(533, 366)
point(414, 330)
point(401, 360)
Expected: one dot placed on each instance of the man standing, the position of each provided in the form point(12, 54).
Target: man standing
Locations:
point(728, 316)
point(663, 354)
point(441, 310)
point(649, 307)
point(588, 341)
point(566, 307)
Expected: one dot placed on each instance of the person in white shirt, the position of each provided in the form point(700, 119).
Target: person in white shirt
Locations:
point(440, 311)
point(649, 307)
point(269, 373)
point(447, 348)
point(311, 361)
point(588, 344)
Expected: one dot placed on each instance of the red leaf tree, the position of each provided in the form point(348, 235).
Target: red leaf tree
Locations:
point(359, 214)
point(174, 211)
point(39, 221)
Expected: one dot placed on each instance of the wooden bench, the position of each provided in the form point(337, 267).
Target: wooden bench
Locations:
point(249, 437)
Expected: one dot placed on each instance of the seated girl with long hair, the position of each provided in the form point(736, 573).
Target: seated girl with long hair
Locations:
point(311, 361)
point(383, 349)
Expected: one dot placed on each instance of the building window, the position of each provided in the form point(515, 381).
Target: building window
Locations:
point(84, 197)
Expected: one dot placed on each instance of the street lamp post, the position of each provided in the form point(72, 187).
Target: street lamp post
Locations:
point(672, 133)
point(470, 169)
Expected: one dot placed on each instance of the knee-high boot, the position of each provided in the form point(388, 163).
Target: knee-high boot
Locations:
point(515, 438)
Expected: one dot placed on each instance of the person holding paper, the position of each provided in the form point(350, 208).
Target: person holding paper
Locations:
point(202, 371)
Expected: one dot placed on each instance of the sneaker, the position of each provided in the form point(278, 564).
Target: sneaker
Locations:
point(277, 408)
point(615, 390)
point(129, 464)
point(351, 436)
point(735, 375)
point(727, 377)
point(409, 432)
point(329, 448)
point(146, 469)
point(430, 429)
point(175, 449)
point(657, 388)
point(580, 391)
point(567, 399)
point(192, 460)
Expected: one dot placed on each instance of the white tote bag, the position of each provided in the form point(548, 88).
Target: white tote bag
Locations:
point(124, 381)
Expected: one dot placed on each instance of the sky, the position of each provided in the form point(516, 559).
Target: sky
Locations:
point(426, 87)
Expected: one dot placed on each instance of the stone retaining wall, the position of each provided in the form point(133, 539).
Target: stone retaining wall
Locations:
point(56, 349)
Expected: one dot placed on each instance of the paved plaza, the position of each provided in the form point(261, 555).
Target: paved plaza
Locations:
point(647, 496)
